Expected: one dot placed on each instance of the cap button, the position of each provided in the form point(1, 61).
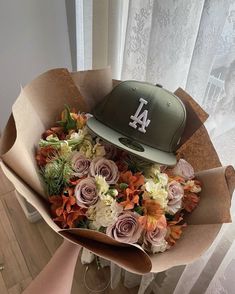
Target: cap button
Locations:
point(158, 85)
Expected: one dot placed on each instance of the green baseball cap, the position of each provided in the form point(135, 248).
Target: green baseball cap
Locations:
point(143, 119)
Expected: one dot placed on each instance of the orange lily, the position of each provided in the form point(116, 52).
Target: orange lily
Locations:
point(153, 215)
point(174, 231)
point(134, 181)
point(65, 209)
point(190, 201)
point(131, 199)
point(43, 155)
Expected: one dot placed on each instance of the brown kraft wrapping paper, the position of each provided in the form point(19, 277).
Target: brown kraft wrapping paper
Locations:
point(38, 107)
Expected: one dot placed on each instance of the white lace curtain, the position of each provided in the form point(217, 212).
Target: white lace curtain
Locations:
point(188, 44)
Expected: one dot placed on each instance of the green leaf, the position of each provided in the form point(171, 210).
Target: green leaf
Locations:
point(139, 210)
point(56, 175)
point(102, 229)
point(123, 186)
point(68, 123)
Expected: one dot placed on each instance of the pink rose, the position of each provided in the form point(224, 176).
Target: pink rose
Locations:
point(80, 164)
point(175, 195)
point(126, 229)
point(183, 169)
point(155, 237)
point(105, 168)
point(86, 193)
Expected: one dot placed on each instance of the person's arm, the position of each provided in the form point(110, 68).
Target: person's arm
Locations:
point(57, 276)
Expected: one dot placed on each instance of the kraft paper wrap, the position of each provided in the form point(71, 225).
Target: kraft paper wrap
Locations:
point(39, 106)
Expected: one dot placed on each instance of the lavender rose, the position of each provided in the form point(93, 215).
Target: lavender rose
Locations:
point(80, 164)
point(183, 169)
point(126, 229)
point(101, 166)
point(154, 241)
point(86, 193)
point(155, 237)
point(175, 195)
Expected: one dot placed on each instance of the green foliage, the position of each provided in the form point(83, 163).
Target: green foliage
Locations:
point(102, 230)
point(139, 209)
point(83, 224)
point(56, 175)
point(123, 186)
point(68, 123)
point(169, 217)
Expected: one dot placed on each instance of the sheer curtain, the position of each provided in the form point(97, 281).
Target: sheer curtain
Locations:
point(188, 44)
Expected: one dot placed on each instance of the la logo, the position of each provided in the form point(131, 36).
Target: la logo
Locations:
point(140, 118)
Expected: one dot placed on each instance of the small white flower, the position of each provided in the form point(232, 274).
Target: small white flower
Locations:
point(107, 199)
point(75, 135)
point(156, 192)
point(101, 184)
point(194, 188)
point(152, 187)
point(104, 215)
point(152, 171)
point(163, 179)
point(52, 138)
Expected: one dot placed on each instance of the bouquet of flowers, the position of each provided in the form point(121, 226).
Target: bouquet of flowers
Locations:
point(92, 184)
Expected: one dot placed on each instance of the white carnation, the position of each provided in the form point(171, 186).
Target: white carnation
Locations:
point(163, 179)
point(103, 215)
point(156, 192)
point(101, 184)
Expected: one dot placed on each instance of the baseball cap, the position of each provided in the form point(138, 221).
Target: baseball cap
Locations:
point(141, 118)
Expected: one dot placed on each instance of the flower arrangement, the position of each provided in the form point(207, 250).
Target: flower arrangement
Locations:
point(92, 184)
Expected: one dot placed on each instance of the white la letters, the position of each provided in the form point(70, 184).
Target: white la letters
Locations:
point(140, 118)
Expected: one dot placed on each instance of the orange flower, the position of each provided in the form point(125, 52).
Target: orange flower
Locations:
point(80, 118)
point(65, 209)
point(174, 231)
point(153, 215)
point(177, 179)
point(44, 154)
point(133, 181)
point(131, 193)
point(192, 187)
point(190, 201)
point(132, 198)
point(58, 131)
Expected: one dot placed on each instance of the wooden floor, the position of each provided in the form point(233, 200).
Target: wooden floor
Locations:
point(25, 249)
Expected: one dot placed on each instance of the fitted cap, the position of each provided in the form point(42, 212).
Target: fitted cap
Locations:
point(143, 119)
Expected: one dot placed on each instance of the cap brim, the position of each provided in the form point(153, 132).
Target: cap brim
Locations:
point(113, 137)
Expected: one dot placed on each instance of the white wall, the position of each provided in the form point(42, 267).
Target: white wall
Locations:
point(33, 39)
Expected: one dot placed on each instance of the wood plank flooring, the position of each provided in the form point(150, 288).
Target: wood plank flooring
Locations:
point(25, 249)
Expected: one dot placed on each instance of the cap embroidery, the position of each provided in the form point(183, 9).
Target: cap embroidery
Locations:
point(140, 118)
